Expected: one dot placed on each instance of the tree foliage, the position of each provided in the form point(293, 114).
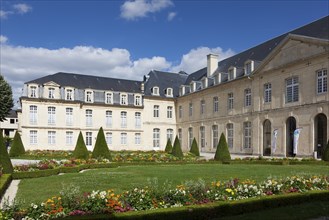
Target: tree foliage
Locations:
point(101, 149)
point(168, 148)
point(17, 147)
point(325, 154)
point(177, 150)
point(222, 152)
point(6, 98)
point(194, 148)
point(81, 151)
point(4, 157)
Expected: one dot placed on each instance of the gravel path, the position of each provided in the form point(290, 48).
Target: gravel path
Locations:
point(10, 193)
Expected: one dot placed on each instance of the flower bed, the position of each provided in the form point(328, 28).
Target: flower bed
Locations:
point(71, 202)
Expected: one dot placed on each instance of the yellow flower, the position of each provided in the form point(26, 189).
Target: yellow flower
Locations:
point(218, 184)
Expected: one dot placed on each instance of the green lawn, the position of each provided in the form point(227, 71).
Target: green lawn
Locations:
point(126, 177)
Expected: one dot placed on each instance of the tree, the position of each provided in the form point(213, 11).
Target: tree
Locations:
point(222, 152)
point(177, 150)
point(17, 147)
point(168, 147)
point(194, 148)
point(101, 149)
point(81, 151)
point(5, 161)
point(325, 154)
point(6, 98)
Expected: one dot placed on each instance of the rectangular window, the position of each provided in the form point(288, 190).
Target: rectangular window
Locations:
point(89, 96)
point(169, 112)
point(51, 137)
point(180, 133)
point(169, 92)
point(89, 138)
point(156, 111)
point(108, 98)
point(214, 136)
point(138, 100)
point(89, 118)
point(51, 93)
point(109, 138)
point(202, 107)
point(123, 100)
point(69, 116)
point(190, 137)
point(230, 101)
point(202, 137)
point(69, 138)
point(248, 68)
point(190, 112)
point(170, 134)
point(123, 138)
point(155, 90)
point(33, 137)
point(69, 94)
point(51, 115)
point(267, 92)
point(247, 134)
point(12, 121)
point(292, 89)
point(137, 138)
point(231, 74)
point(33, 114)
point(33, 92)
point(215, 104)
point(247, 97)
point(230, 132)
point(322, 81)
point(123, 119)
point(108, 117)
point(180, 111)
point(138, 120)
point(156, 137)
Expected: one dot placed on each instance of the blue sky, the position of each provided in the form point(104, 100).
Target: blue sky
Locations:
point(127, 39)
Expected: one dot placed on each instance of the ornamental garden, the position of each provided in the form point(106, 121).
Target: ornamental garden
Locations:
point(106, 184)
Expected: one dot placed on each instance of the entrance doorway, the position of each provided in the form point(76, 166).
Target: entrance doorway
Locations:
point(290, 128)
point(267, 138)
point(320, 134)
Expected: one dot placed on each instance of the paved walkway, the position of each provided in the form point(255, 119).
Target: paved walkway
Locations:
point(10, 193)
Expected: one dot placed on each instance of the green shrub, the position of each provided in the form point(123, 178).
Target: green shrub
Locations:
point(168, 147)
point(177, 150)
point(80, 151)
point(101, 149)
point(35, 174)
point(325, 154)
point(195, 149)
point(17, 147)
point(222, 152)
point(4, 157)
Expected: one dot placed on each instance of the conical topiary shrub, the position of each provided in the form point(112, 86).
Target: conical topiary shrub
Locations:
point(80, 150)
point(222, 152)
point(17, 147)
point(325, 154)
point(101, 149)
point(177, 150)
point(4, 157)
point(168, 147)
point(194, 148)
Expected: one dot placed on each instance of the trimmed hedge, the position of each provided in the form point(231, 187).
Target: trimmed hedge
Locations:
point(17, 147)
point(80, 150)
point(222, 152)
point(177, 150)
point(4, 157)
point(101, 149)
point(168, 148)
point(5, 181)
point(194, 148)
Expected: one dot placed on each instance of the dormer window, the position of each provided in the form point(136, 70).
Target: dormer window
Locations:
point(33, 92)
point(169, 92)
point(51, 93)
point(182, 90)
point(69, 94)
point(249, 67)
point(108, 98)
point(123, 99)
point(204, 83)
point(231, 73)
point(155, 90)
point(192, 86)
point(138, 100)
point(89, 96)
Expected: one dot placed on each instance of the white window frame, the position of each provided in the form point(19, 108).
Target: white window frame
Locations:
point(180, 135)
point(89, 138)
point(202, 106)
point(190, 137)
point(123, 99)
point(69, 138)
point(33, 137)
point(215, 104)
point(247, 97)
point(123, 139)
point(89, 117)
point(108, 118)
point(230, 101)
point(33, 92)
point(33, 114)
point(123, 119)
point(170, 134)
point(230, 134)
point(202, 136)
point(169, 92)
point(215, 138)
point(249, 67)
point(109, 138)
point(156, 111)
point(51, 115)
point(69, 94)
point(155, 90)
point(51, 137)
point(69, 116)
point(169, 111)
point(51, 93)
point(231, 73)
point(108, 98)
point(156, 138)
point(267, 92)
point(137, 138)
point(190, 109)
point(138, 100)
point(322, 81)
point(247, 135)
point(292, 89)
point(138, 120)
point(89, 96)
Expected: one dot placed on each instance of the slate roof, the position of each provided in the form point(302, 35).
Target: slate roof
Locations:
point(12, 114)
point(164, 80)
point(316, 29)
point(93, 82)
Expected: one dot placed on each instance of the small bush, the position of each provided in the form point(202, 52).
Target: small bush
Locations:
point(101, 149)
point(194, 148)
point(168, 147)
point(222, 152)
point(325, 154)
point(17, 147)
point(177, 150)
point(80, 151)
point(4, 157)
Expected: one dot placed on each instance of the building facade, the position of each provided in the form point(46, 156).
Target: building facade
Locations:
point(258, 98)
point(10, 125)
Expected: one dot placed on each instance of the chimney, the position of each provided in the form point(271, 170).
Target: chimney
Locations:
point(212, 64)
point(142, 87)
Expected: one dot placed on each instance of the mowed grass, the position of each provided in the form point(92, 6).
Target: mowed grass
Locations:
point(126, 177)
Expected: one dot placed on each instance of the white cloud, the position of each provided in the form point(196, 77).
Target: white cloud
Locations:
point(196, 59)
point(171, 16)
point(3, 39)
point(4, 14)
point(131, 10)
point(22, 8)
